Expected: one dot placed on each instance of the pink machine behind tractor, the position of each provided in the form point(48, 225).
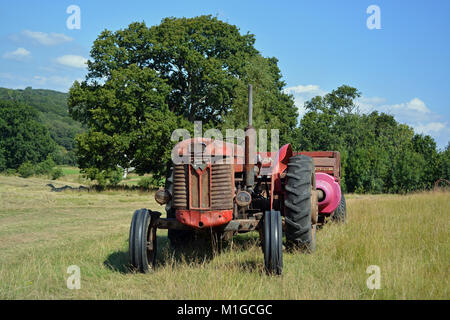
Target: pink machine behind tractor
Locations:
point(223, 189)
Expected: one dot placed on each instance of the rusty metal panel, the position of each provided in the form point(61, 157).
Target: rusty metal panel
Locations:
point(222, 189)
point(173, 223)
point(195, 189)
point(325, 161)
point(180, 187)
point(205, 181)
point(243, 225)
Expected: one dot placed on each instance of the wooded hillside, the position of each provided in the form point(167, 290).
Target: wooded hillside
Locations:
point(52, 112)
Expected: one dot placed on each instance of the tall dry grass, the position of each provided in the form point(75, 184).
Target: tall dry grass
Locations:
point(42, 233)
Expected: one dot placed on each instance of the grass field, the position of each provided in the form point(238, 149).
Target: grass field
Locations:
point(72, 174)
point(42, 233)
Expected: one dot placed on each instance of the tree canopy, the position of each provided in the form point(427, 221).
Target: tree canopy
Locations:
point(22, 137)
point(182, 70)
point(51, 109)
point(378, 154)
point(131, 124)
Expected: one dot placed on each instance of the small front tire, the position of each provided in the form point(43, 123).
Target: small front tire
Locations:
point(273, 242)
point(142, 241)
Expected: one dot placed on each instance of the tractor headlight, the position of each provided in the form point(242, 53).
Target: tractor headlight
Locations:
point(243, 198)
point(162, 196)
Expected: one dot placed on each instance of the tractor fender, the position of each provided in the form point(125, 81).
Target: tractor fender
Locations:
point(279, 164)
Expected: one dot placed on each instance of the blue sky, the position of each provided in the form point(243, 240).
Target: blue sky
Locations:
point(402, 68)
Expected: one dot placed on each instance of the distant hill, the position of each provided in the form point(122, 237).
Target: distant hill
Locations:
point(52, 108)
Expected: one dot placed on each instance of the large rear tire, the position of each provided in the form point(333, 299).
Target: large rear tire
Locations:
point(142, 241)
point(299, 210)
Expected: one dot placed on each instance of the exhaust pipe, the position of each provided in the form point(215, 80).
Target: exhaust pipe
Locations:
point(250, 105)
point(250, 141)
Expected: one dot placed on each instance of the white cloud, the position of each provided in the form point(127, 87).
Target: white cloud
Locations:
point(63, 82)
point(40, 80)
point(367, 104)
point(54, 82)
point(72, 61)
point(432, 127)
point(415, 105)
point(309, 88)
point(412, 109)
point(6, 75)
point(410, 112)
point(414, 113)
point(303, 93)
point(21, 54)
point(47, 39)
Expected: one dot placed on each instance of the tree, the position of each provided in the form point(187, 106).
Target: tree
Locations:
point(200, 58)
point(51, 108)
point(444, 163)
point(22, 137)
point(329, 124)
point(2, 160)
point(26, 169)
point(319, 129)
point(426, 147)
point(339, 102)
point(378, 154)
point(272, 108)
point(408, 172)
point(197, 68)
point(129, 122)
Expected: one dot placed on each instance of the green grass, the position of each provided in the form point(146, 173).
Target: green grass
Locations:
point(67, 170)
point(42, 233)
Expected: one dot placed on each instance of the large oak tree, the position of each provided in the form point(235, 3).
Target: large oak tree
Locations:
point(143, 82)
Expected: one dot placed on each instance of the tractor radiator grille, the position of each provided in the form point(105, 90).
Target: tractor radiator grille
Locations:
point(221, 190)
point(180, 184)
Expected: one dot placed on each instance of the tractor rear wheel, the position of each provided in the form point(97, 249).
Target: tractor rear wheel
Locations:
point(340, 214)
point(273, 242)
point(142, 242)
point(299, 210)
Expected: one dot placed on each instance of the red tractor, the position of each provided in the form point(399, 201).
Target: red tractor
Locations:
point(221, 188)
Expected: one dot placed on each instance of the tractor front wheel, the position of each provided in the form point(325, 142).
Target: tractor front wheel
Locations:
point(142, 242)
point(273, 242)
